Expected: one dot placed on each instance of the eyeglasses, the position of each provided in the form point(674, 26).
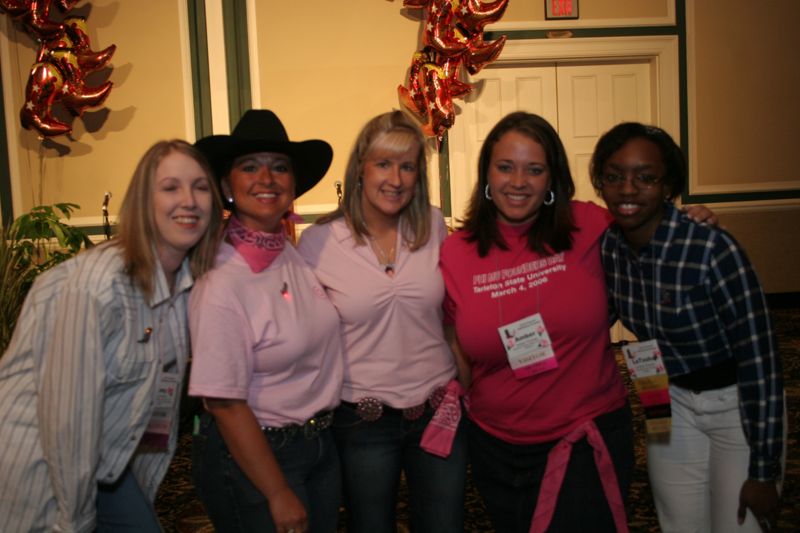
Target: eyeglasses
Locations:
point(640, 180)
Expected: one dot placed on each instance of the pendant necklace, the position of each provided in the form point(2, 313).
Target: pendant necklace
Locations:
point(384, 259)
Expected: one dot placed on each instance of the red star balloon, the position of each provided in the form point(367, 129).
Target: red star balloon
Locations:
point(452, 38)
point(63, 60)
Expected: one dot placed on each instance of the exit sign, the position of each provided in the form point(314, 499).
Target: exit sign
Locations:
point(560, 9)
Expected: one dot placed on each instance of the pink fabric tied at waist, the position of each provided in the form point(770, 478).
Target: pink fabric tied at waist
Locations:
point(441, 430)
point(557, 461)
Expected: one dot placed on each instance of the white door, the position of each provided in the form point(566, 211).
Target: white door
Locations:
point(592, 98)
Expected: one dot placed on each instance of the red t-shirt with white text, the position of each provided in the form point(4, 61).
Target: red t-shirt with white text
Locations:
point(569, 291)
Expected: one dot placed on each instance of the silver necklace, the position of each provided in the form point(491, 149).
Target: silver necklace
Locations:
point(385, 259)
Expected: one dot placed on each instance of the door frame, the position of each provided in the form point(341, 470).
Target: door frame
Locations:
point(661, 51)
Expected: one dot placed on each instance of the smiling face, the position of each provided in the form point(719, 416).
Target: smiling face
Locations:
point(388, 183)
point(632, 185)
point(518, 177)
point(262, 187)
point(182, 204)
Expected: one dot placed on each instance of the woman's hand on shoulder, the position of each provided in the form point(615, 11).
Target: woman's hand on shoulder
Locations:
point(701, 213)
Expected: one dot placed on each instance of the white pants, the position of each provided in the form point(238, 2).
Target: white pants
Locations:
point(698, 471)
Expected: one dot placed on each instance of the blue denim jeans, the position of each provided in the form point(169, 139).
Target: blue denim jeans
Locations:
point(373, 455)
point(122, 506)
point(234, 504)
point(508, 477)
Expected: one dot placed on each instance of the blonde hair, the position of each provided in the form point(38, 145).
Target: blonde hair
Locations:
point(137, 231)
point(394, 133)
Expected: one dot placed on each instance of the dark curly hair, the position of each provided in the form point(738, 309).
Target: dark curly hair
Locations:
point(616, 137)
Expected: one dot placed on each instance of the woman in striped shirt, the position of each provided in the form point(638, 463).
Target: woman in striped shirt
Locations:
point(89, 383)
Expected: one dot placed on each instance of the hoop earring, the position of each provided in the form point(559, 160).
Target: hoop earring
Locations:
point(550, 199)
point(487, 193)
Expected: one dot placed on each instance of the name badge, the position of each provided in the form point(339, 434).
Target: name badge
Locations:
point(156, 436)
point(528, 346)
point(649, 375)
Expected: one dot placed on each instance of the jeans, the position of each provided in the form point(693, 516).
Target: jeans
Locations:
point(508, 477)
point(234, 504)
point(697, 472)
point(374, 453)
point(122, 506)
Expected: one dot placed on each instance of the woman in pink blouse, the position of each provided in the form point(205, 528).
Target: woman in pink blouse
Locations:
point(377, 257)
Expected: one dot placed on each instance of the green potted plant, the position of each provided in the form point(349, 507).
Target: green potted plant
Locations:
point(35, 241)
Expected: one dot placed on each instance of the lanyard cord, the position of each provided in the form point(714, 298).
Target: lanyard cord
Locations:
point(500, 298)
point(652, 324)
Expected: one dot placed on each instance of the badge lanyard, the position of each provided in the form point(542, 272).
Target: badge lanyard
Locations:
point(526, 341)
point(165, 402)
point(646, 364)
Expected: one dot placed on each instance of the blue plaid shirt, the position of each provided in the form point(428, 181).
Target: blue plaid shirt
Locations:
point(693, 289)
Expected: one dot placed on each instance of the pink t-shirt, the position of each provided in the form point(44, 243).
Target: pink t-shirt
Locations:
point(393, 340)
point(271, 338)
point(569, 291)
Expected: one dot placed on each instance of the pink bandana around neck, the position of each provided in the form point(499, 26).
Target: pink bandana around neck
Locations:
point(258, 248)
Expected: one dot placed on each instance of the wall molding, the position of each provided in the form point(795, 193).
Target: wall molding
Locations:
point(252, 50)
point(6, 209)
point(12, 204)
point(765, 194)
point(217, 67)
point(669, 19)
point(198, 51)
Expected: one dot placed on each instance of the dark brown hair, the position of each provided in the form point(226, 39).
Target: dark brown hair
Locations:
point(552, 230)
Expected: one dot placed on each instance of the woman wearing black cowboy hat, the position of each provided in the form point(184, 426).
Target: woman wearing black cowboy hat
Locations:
point(267, 356)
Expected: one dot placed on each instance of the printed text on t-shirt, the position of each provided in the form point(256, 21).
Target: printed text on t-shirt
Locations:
point(518, 278)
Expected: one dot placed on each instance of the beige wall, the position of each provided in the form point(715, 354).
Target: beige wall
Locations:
point(747, 79)
point(148, 102)
point(743, 114)
point(533, 10)
point(327, 71)
point(326, 67)
point(331, 69)
point(770, 237)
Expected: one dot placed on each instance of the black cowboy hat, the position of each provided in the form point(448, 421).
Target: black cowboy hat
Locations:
point(260, 130)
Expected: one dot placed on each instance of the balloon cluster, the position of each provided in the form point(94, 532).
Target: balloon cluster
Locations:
point(452, 39)
point(63, 61)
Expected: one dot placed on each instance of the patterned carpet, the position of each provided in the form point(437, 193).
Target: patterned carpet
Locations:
point(180, 511)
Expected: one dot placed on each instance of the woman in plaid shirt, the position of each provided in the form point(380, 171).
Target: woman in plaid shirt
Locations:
point(691, 288)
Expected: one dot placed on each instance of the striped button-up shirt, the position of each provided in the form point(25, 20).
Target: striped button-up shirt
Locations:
point(693, 290)
point(77, 386)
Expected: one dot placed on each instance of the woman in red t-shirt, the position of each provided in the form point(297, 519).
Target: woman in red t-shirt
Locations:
point(527, 264)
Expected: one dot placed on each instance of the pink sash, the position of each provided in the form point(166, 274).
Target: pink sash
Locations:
point(557, 461)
